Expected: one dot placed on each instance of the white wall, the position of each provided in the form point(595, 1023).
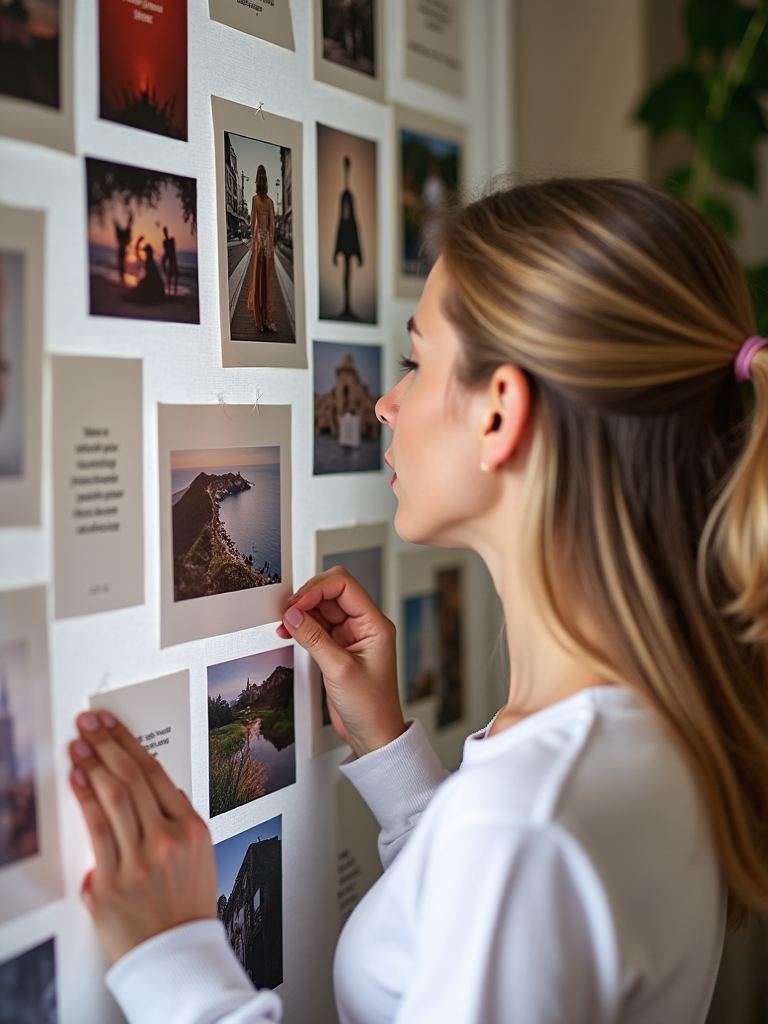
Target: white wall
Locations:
point(182, 364)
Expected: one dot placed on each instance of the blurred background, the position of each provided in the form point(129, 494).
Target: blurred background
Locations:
point(673, 92)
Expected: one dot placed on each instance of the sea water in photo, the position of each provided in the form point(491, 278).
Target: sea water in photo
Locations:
point(252, 517)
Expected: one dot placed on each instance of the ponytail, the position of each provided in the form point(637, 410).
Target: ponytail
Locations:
point(735, 538)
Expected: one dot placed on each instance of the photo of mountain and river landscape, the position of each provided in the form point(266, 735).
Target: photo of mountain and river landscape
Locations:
point(251, 733)
point(225, 520)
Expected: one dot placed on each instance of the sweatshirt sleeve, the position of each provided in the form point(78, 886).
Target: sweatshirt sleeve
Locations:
point(521, 939)
point(189, 975)
point(397, 782)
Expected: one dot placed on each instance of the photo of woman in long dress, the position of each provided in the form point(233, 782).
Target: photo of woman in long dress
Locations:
point(262, 254)
point(259, 240)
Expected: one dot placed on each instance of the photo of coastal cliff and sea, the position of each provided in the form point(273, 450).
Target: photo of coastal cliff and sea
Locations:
point(225, 520)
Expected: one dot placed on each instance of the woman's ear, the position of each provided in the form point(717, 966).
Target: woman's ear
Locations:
point(507, 409)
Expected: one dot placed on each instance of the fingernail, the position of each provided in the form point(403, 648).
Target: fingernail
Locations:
point(108, 719)
point(79, 778)
point(89, 722)
point(81, 748)
point(294, 617)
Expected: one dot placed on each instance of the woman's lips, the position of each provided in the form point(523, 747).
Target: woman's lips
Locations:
point(392, 481)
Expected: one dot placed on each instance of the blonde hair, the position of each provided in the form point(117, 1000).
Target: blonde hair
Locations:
point(649, 481)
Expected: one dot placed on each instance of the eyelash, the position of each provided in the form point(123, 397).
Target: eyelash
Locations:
point(407, 364)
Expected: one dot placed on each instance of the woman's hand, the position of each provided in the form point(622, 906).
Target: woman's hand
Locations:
point(155, 867)
point(353, 643)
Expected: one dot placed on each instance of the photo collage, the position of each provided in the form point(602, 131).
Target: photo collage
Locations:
point(179, 506)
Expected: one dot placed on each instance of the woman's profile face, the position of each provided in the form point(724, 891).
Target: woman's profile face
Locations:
point(436, 447)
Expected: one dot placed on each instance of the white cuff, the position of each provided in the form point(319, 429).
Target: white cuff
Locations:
point(188, 975)
point(397, 782)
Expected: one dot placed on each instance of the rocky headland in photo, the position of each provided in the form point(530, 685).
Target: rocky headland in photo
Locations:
point(205, 560)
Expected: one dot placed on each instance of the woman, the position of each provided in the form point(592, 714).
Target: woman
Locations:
point(573, 411)
point(262, 253)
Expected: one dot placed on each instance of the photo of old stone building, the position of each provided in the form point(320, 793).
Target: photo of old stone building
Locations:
point(252, 913)
point(347, 387)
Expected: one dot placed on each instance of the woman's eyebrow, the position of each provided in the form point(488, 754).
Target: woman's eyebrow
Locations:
point(412, 328)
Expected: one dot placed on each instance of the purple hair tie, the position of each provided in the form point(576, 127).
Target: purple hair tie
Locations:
point(743, 361)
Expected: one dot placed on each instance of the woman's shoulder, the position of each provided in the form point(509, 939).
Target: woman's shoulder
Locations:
point(598, 755)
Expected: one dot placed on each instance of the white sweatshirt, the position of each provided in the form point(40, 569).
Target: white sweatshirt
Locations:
point(566, 873)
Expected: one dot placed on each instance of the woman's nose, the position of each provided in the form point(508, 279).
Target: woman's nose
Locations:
point(386, 408)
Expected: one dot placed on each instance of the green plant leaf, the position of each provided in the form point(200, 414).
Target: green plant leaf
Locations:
point(721, 214)
point(735, 140)
point(714, 25)
point(756, 74)
point(676, 181)
point(677, 101)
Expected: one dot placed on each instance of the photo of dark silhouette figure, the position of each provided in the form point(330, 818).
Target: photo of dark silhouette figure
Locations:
point(169, 262)
point(150, 289)
point(123, 236)
point(347, 240)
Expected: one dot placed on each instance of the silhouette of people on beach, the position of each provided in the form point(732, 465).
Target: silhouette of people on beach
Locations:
point(123, 236)
point(262, 254)
point(347, 240)
point(150, 290)
point(169, 263)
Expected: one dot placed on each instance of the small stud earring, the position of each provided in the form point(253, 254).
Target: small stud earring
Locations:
point(484, 466)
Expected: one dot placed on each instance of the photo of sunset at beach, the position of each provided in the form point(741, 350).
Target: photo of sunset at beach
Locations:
point(142, 243)
point(143, 65)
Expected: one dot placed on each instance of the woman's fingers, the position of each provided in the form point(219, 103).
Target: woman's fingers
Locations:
point(316, 640)
point(333, 585)
point(104, 844)
point(123, 765)
point(170, 799)
point(113, 799)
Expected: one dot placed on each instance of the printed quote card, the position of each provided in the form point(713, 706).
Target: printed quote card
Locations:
point(157, 713)
point(97, 484)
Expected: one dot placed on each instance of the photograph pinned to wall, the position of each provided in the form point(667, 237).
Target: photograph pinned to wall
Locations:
point(157, 713)
point(225, 530)
point(358, 864)
point(268, 19)
point(347, 385)
point(346, 230)
point(432, 631)
point(28, 986)
point(421, 645)
point(22, 245)
point(142, 243)
point(434, 33)
point(251, 730)
point(226, 520)
point(143, 65)
point(98, 490)
point(30, 870)
point(361, 550)
point(348, 45)
point(430, 170)
point(249, 875)
point(36, 59)
point(261, 263)
point(18, 803)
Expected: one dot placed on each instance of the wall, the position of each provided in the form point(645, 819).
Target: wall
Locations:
point(182, 364)
point(578, 69)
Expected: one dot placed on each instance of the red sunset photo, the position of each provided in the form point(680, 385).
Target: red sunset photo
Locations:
point(143, 64)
